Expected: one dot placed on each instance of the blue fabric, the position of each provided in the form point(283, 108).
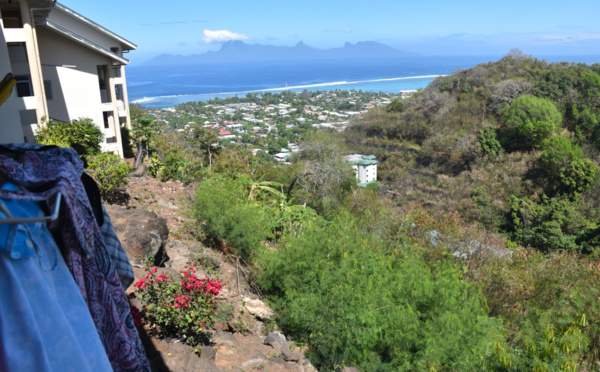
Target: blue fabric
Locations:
point(45, 324)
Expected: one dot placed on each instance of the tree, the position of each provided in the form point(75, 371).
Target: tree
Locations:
point(517, 55)
point(81, 134)
point(203, 139)
point(531, 120)
point(136, 111)
point(396, 106)
point(325, 176)
point(507, 91)
point(488, 142)
point(565, 167)
point(143, 130)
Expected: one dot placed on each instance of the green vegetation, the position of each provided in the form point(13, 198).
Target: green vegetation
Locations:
point(110, 173)
point(82, 135)
point(482, 257)
point(531, 120)
point(361, 300)
point(179, 307)
point(517, 129)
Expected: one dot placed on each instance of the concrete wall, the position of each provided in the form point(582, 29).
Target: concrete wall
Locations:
point(73, 71)
point(10, 121)
point(366, 173)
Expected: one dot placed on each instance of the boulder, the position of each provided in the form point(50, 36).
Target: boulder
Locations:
point(258, 308)
point(290, 356)
point(141, 232)
point(277, 340)
point(195, 364)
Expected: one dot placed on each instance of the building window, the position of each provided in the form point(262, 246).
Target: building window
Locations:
point(102, 76)
point(117, 71)
point(23, 86)
point(48, 89)
point(105, 117)
point(119, 91)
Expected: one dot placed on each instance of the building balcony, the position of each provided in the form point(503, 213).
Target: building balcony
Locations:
point(107, 106)
point(14, 35)
point(30, 102)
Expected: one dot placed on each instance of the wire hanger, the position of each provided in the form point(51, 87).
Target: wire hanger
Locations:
point(17, 220)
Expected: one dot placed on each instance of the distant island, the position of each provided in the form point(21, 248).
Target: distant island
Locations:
point(238, 51)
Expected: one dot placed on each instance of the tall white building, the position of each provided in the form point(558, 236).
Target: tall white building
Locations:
point(67, 67)
point(365, 168)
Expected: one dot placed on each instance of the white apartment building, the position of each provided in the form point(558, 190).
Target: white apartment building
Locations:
point(365, 168)
point(66, 66)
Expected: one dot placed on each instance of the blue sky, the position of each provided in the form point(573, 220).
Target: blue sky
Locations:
point(428, 27)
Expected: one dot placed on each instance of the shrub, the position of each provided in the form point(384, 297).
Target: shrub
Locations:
point(554, 224)
point(237, 224)
point(354, 305)
point(567, 172)
point(549, 303)
point(110, 172)
point(488, 142)
point(374, 187)
point(81, 134)
point(180, 308)
point(531, 120)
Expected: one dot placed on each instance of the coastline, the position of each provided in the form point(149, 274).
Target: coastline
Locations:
point(390, 85)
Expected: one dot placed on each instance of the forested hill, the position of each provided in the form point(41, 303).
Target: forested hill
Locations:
point(512, 145)
point(485, 258)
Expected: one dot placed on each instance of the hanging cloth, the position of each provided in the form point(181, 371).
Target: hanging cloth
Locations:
point(44, 323)
point(78, 236)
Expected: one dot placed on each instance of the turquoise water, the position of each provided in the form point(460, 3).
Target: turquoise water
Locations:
point(166, 86)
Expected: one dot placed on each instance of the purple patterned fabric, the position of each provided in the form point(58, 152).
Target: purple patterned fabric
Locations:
point(44, 173)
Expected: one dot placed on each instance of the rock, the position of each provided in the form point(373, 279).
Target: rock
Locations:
point(277, 360)
point(253, 361)
point(225, 338)
point(141, 232)
point(277, 340)
point(350, 369)
point(180, 348)
point(195, 364)
point(309, 368)
point(290, 356)
point(166, 204)
point(258, 308)
point(207, 352)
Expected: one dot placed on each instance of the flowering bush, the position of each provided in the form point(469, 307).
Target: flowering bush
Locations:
point(184, 308)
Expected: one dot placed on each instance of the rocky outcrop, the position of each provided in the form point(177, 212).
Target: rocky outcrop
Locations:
point(141, 232)
point(258, 308)
point(238, 342)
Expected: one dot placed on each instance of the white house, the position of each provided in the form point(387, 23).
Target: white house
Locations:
point(67, 67)
point(365, 168)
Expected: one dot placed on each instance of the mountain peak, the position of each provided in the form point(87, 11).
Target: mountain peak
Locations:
point(239, 51)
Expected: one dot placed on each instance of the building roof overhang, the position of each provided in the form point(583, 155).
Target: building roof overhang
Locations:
point(83, 41)
point(127, 45)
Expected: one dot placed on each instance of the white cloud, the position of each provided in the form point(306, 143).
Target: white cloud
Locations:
point(340, 30)
point(567, 38)
point(219, 36)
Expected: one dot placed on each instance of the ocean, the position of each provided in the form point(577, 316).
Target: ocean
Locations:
point(167, 86)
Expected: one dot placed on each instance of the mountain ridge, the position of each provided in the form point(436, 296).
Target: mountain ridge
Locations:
point(239, 51)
